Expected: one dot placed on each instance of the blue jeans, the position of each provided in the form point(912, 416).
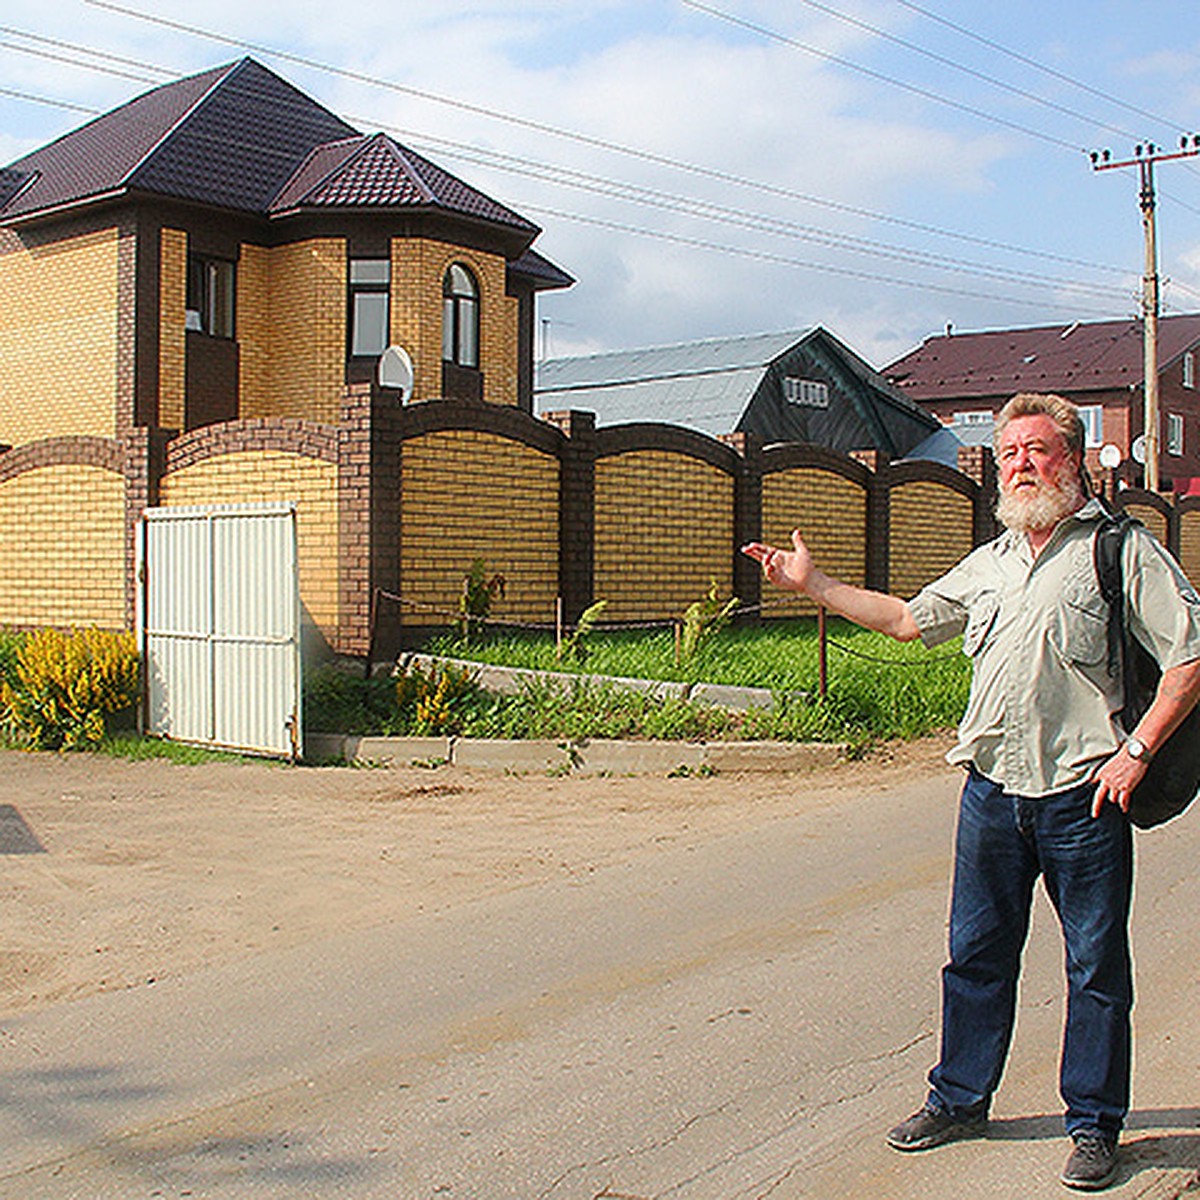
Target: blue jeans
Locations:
point(1004, 843)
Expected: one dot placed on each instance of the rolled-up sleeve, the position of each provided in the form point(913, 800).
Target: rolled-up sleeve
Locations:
point(942, 607)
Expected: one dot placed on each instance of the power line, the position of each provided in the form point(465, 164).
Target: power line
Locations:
point(67, 104)
point(636, 194)
point(721, 214)
point(870, 73)
point(556, 131)
point(767, 256)
point(955, 65)
point(1032, 62)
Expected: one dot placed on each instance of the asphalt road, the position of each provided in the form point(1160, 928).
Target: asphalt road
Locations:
point(733, 1018)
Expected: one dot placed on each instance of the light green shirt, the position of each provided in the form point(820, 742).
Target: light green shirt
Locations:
point(1042, 709)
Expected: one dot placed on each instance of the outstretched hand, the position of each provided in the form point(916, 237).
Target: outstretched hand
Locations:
point(790, 570)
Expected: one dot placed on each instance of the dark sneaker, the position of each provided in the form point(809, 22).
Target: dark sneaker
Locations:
point(1092, 1164)
point(931, 1127)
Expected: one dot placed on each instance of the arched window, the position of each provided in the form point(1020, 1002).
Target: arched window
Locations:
point(460, 317)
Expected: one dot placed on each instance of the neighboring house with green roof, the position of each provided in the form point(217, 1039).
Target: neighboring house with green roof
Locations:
point(798, 386)
point(225, 247)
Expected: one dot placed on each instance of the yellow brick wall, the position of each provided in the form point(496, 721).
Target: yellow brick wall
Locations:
point(1151, 518)
point(418, 268)
point(291, 329)
point(1189, 545)
point(58, 338)
point(831, 513)
point(254, 477)
point(468, 495)
point(62, 546)
point(172, 315)
point(664, 532)
point(930, 531)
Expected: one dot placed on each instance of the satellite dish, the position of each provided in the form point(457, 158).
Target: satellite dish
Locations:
point(1110, 456)
point(1138, 449)
point(396, 371)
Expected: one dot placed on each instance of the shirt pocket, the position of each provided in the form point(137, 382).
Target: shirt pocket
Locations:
point(981, 623)
point(1080, 631)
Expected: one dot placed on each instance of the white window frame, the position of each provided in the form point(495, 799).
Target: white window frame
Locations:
point(807, 393)
point(1189, 369)
point(1092, 416)
point(1175, 434)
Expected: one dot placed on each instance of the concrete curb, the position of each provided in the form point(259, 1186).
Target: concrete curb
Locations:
point(510, 681)
point(584, 757)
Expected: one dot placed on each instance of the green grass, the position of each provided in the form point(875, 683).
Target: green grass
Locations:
point(878, 689)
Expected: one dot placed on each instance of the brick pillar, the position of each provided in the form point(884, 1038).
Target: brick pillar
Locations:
point(879, 521)
point(747, 518)
point(576, 511)
point(144, 457)
point(983, 471)
point(368, 522)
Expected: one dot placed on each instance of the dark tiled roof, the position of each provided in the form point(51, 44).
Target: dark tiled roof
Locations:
point(100, 156)
point(1061, 358)
point(241, 144)
point(377, 172)
point(237, 137)
point(544, 275)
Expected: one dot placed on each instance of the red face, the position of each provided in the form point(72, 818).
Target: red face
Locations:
point(1033, 454)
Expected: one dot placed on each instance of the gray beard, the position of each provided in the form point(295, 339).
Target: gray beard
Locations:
point(1043, 510)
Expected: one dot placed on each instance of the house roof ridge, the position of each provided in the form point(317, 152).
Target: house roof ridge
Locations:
point(404, 154)
point(226, 73)
point(322, 148)
point(795, 334)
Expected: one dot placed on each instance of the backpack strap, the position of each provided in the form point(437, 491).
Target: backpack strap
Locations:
point(1106, 554)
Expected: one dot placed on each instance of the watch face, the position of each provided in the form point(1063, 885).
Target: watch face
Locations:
point(1136, 747)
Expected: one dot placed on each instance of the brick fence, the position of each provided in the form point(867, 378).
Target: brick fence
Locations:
point(394, 503)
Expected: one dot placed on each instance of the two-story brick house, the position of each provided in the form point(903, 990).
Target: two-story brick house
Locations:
point(201, 278)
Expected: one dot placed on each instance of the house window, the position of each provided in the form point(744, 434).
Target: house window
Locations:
point(808, 393)
point(1092, 416)
point(370, 281)
point(460, 317)
point(979, 416)
point(1189, 369)
point(210, 288)
point(1174, 433)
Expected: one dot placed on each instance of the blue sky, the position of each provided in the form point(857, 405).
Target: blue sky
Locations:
point(858, 164)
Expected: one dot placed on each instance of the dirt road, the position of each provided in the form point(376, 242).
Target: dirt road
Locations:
point(150, 870)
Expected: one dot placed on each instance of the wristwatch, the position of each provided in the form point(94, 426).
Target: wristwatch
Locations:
point(1138, 749)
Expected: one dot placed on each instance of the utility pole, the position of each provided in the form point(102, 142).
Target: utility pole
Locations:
point(1144, 159)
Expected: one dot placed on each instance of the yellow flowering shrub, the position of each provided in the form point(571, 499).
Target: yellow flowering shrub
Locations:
point(62, 685)
point(433, 698)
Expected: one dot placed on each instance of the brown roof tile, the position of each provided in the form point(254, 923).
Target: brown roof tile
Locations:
point(1091, 356)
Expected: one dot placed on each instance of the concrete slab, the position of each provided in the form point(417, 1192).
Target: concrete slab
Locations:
point(613, 757)
point(501, 754)
point(722, 695)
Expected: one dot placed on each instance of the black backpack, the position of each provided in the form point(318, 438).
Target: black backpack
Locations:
point(1173, 779)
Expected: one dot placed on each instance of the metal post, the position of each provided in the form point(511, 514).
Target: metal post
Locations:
point(822, 654)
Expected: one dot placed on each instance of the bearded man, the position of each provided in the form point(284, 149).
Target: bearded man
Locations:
point(1049, 773)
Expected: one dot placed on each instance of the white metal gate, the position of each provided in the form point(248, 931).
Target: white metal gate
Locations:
point(219, 619)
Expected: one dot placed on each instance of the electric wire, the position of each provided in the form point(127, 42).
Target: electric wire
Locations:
point(557, 131)
point(757, 222)
point(955, 65)
point(768, 256)
point(700, 209)
point(871, 73)
point(1017, 56)
point(630, 192)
